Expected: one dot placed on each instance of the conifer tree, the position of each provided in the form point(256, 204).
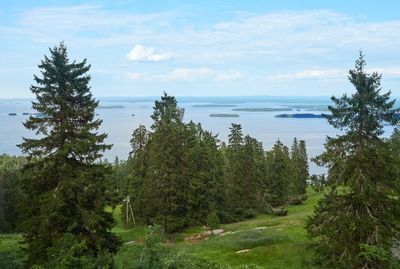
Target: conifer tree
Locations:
point(278, 171)
point(64, 182)
point(303, 168)
point(254, 176)
point(362, 215)
point(234, 174)
point(299, 168)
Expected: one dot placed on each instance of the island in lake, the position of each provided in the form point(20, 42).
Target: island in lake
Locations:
point(302, 116)
point(262, 109)
point(310, 107)
point(213, 105)
point(224, 115)
point(109, 107)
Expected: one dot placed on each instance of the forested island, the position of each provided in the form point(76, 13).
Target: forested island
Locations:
point(185, 199)
point(302, 116)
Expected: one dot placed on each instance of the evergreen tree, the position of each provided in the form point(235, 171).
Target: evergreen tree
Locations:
point(254, 176)
point(364, 212)
point(278, 171)
point(176, 171)
point(10, 191)
point(65, 185)
point(135, 188)
point(234, 174)
point(299, 168)
point(167, 182)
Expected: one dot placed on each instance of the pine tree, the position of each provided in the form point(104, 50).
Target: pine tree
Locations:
point(361, 211)
point(65, 184)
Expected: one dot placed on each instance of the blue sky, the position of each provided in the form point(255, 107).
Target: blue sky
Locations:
point(141, 48)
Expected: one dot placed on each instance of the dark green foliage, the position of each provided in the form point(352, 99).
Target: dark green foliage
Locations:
point(66, 186)
point(178, 173)
point(278, 171)
point(378, 257)
point(10, 191)
point(12, 259)
point(244, 175)
point(175, 170)
point(152, 252)
point(70, 253)
point(118, 179)
point(299, 168)
point(365, 209)
point(213, 220)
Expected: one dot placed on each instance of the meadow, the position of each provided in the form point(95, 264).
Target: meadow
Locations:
point(266, 241)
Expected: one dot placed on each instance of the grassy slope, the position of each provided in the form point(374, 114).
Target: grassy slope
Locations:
point(273, 242)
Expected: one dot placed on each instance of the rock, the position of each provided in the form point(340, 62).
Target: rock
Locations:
point(243, 251)
point(194, 238)
point(217, 231)
point(208, 233)
point(229, 232)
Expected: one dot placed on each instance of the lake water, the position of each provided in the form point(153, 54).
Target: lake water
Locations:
point(119, 122)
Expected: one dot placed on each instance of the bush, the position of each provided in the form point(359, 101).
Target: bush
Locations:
point(12, 259)
point(297, 199)
point(154, 255)
point(70, 253)
point(213, 220)
point(183, 261)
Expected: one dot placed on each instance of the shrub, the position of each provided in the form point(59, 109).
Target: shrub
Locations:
point(12, 259)
point(213, 220)
point(70, 253)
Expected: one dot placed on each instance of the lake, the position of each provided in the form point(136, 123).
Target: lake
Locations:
point(256, 114)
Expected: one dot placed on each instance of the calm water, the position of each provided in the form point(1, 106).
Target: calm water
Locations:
point(119, 122)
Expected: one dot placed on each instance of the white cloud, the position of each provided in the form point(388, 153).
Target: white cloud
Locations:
point(296, 47)
point(136, 76)
point(142, 54)
point(386, 71)
point(188, 74)
point(309, 74)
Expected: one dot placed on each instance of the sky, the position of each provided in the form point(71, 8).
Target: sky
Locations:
point(203, 48)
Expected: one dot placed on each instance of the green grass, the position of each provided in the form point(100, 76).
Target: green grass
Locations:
point(9, 241)
point(271, 241)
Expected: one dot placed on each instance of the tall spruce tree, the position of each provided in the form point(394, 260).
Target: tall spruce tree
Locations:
point(299, 168)
point(357, 223)
point(175, 171)
point(253, 175)
point(65, 184)
point(278, 171)
point(234, 174)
